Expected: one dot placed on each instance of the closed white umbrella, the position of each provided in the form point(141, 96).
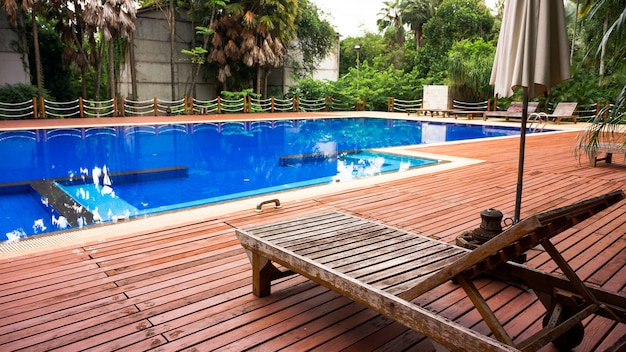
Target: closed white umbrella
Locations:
point(532, 54)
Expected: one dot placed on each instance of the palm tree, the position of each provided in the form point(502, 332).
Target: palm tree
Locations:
point(252, 32)
point(602, 12)
point(608, 126)
point(113, 19)
point(391, 17)
point(415, 13)
point(268, 25)
point(79, 37)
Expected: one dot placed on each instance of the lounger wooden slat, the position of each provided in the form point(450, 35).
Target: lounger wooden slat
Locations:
point(387, 278)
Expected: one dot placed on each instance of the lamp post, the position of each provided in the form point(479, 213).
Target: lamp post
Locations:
point(357, 47)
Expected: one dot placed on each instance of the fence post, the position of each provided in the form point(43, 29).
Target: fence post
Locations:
point(272, 105)
point(190, 105)
point(81, 108)
point(219, 104)
point(123, 106)
point(115, 110)
point(156, 107)
point(35, 107)
point(43, 108)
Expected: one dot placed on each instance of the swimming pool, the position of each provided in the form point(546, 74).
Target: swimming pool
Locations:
point(55, 179)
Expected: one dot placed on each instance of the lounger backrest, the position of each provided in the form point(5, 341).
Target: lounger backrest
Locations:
point(518, 107)
point(515, 106)
point(564, 109)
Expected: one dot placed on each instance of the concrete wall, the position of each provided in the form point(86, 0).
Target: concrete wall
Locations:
point(152, 59)
point(12, 69)
point(328, 69)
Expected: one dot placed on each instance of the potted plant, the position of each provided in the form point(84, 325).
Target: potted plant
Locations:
point(607, 132)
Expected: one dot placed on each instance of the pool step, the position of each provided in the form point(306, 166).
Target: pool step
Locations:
point(65, 205)
point(100, 201)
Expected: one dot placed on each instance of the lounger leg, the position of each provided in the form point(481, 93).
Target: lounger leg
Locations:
point(484, 310)
point(261, 275)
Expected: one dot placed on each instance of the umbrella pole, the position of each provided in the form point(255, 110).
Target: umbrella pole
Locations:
point(520, 166)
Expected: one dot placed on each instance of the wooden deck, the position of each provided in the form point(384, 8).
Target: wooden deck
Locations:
point(188, 286)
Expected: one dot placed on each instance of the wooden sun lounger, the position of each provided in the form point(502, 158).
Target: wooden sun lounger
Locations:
point(562, 111)
point(432, 112)
point(385, 268)
point(514, 111)
point(608, 149)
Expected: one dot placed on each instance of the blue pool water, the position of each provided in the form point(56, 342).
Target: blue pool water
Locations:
point(62, 178)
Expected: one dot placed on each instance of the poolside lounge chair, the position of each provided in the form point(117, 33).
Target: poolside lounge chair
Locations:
point(563, 110)
point(513, 111)
point(385, 269)
point(608, 149)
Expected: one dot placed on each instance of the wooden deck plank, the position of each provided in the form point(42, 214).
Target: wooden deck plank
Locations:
point(314, 326)
point(162, 273)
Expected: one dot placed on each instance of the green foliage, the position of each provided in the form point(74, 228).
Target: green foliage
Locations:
point(454, 20)
point(196, 55)
point(309, 88)
point(19, 93)
point(609, 129)
point(232, 105)
point(372, 46)
point(240, 94)
point(316, 37)
point(583, 88)
point(369, 82)
point(469, 70)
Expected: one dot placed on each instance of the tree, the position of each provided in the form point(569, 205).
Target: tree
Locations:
point(371, 46)
point(453, 21)
point(606, 32)
point(113, 19)
point(315, 37)
point(391, 19)
point(253, 33)
point(56, 76)
point(415, 13)
point(469, 70)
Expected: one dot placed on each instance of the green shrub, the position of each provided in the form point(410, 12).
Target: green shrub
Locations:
point(19, 93)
